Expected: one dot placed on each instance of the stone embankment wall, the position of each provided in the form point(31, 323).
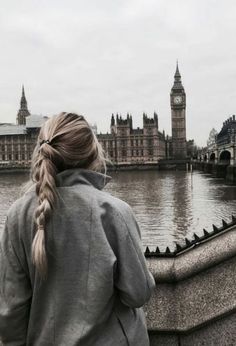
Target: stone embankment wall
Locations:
point(194, 302)
point(219, 170)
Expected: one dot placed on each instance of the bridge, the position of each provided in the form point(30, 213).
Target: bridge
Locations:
point(219, 157)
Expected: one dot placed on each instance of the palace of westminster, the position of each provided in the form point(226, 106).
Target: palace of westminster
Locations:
point(124, 145)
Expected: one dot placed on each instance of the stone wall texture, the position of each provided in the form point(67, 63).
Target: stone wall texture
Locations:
point(194, 302)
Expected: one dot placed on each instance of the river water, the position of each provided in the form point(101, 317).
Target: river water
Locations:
point(169, 206)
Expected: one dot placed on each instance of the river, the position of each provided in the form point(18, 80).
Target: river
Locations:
point(169, 206)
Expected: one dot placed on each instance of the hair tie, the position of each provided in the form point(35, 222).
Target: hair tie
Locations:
point(44, 141)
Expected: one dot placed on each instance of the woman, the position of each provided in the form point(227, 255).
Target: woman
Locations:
point(71, 264)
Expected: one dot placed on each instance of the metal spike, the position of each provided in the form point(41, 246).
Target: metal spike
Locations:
point(196, 237)
point(215, 229)
point(188, 242)
point(147, 251)
point(206, 234)
point(178, 247)
point(233, 219)
point(157, 250)
point(224, 223)
point(167, 250)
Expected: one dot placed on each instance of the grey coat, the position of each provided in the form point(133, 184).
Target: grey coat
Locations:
point(97, 275)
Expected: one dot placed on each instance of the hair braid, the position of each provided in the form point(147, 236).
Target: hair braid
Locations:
point(46, 191)
point(65, 141)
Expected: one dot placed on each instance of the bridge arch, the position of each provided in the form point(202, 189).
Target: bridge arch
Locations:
point(225, 157)
point(212, 157)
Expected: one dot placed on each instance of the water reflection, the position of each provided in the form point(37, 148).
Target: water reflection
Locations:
point(173, 205)
point(169, 206)
point(182, 204)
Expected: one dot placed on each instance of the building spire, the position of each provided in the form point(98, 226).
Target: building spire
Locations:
point(23, 111)
point(177, 78)
point(23, 101)
point(177, 74)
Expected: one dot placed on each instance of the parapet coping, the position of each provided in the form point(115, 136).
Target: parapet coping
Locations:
point(196, 256)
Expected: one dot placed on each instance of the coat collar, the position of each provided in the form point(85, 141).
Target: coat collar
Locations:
point(77, 176)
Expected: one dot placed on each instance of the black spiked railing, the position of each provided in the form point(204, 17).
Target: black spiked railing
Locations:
point(206, 234)
point(189, 244)
point(215, 229)
point(224, 223)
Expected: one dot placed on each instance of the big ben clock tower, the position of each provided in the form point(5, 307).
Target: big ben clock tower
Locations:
point(178, 119)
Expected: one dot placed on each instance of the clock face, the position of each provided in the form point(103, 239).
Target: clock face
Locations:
point(177, 100)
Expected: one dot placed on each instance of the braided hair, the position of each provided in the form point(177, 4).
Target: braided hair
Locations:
point(65, 141)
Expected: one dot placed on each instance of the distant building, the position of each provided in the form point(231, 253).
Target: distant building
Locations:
point(17, 142)
point(126, 145)
point(178, 117)
point(227, 133)
point(23, 112)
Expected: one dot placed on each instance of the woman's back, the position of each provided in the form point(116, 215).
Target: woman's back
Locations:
point(72, 269)
point(96, 276)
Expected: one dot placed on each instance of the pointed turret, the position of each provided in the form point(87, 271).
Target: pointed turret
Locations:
point(156, 119)
point(177, 79)
point(23, 102)
point(177, 74)
point(112, 120)
point(23, 111)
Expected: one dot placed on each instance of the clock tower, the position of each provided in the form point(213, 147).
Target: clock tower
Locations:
point(178, 119)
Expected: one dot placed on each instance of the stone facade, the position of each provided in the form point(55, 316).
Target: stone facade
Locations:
point(127, 146)
point(17, 142)
point(227, 133)
point(147, 145)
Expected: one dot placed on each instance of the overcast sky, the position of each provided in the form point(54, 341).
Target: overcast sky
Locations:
point(102, 57)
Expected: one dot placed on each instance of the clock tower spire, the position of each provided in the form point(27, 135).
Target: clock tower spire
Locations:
point(178, 117)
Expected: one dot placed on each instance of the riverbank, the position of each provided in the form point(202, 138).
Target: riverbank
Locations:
point(13, 170)
point(168, 165)
point(165, 165)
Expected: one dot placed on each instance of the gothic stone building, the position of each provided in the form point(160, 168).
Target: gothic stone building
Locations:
point(126, 145)
point(17, 142)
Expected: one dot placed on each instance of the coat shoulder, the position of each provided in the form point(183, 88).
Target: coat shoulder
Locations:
point(106, 199)
point(22, 205)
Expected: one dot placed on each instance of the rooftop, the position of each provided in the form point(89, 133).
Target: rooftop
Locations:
point(33, 121)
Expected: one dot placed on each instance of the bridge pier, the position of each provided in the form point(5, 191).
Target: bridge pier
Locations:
point(219, 170)
point(231, 173)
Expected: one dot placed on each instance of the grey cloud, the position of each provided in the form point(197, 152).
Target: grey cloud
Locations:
point(119, 56)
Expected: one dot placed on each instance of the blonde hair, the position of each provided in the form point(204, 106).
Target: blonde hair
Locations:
point(65, 141)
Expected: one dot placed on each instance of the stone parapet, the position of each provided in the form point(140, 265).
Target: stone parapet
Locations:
point(194, 302)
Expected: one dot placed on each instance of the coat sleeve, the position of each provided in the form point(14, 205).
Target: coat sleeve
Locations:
point(15, 291)
point(133, 280)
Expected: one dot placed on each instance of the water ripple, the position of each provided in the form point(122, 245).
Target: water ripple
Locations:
point(169, 206)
